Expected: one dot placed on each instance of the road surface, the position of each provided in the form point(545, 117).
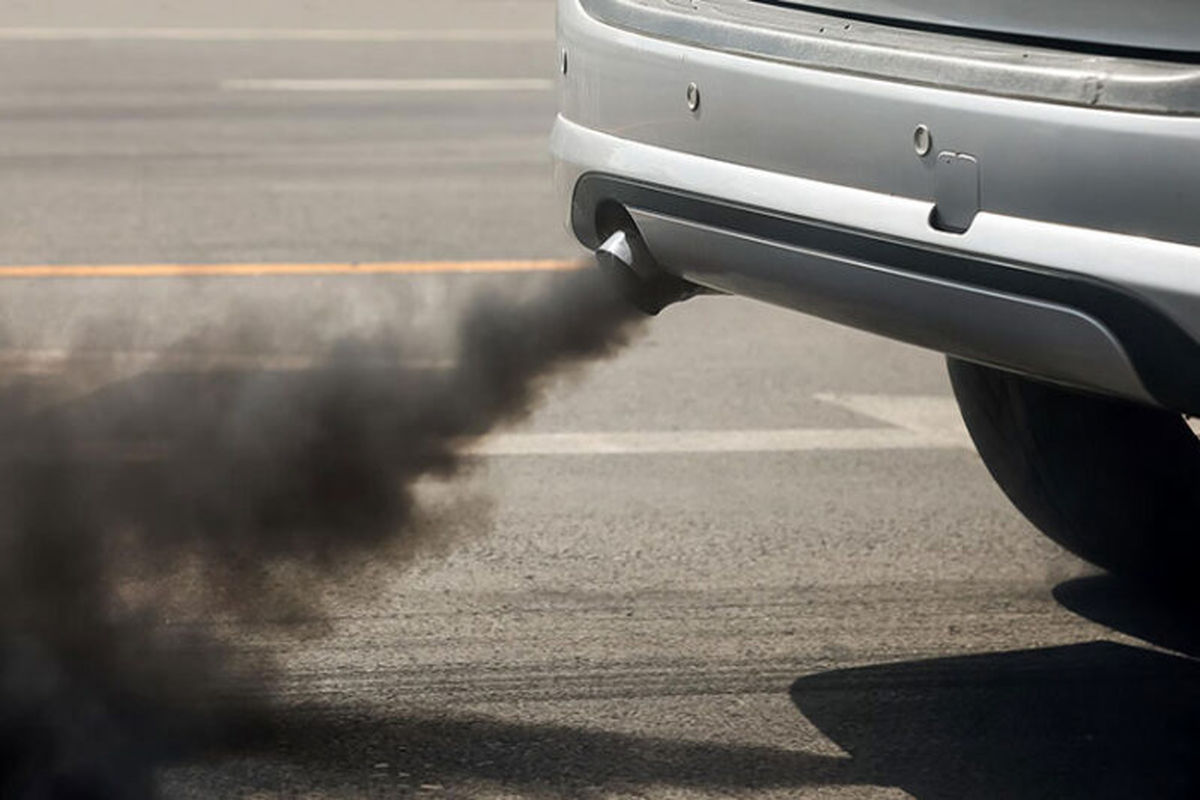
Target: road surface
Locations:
point(752, 556)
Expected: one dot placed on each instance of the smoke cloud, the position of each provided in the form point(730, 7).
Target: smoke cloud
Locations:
point(235, 494)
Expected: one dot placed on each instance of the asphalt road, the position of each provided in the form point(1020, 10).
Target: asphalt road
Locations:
point(668, 602)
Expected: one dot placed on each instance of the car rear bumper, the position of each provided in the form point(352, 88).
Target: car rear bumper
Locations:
point(1127, 79)
point(1081, 262)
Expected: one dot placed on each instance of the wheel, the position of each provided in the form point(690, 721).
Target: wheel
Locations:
point(1114, 482)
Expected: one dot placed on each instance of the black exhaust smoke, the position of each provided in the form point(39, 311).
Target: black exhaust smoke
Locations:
point(230, 494)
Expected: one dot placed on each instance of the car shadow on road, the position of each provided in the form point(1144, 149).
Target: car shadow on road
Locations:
point(336, 750)
point(1092, 720)
point(1099, 719)
point(1165, 621)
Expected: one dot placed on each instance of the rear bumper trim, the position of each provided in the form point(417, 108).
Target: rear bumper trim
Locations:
point(1058, 326)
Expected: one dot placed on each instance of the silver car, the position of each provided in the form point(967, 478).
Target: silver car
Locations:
point(1014, 184)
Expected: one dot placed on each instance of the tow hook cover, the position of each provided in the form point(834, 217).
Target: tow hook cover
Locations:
point(955, 191)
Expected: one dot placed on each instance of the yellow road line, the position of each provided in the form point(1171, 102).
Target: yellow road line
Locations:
point(254, 270)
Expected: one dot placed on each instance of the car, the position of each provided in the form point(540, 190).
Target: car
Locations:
point(1013, 184)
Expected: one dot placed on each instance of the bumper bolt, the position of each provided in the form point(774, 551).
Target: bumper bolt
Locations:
point(693, 97)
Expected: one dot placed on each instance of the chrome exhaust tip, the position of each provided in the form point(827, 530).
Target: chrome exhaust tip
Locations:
point(624, 258)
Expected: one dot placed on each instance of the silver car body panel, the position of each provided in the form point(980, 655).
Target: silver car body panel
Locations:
point(1156, 24)
point(1124, 172)
point(828, 42)
point(1099, 194)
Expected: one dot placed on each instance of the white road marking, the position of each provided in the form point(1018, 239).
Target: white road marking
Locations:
point(34, 34)
point(388, 85)
point(935, 417)
point(125, 363)
point(89, 371)
point(787, 440)
point(784, 440)
point(907, 422)
point(918, 423)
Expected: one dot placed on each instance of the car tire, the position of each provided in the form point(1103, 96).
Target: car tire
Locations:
point(1114, 482)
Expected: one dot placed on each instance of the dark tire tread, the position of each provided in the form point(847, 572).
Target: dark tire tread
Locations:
point(1114, 482)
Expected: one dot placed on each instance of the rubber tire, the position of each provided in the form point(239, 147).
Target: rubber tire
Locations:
point(1114, 482)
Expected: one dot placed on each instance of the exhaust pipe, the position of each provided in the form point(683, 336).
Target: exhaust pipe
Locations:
point(626, 261)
